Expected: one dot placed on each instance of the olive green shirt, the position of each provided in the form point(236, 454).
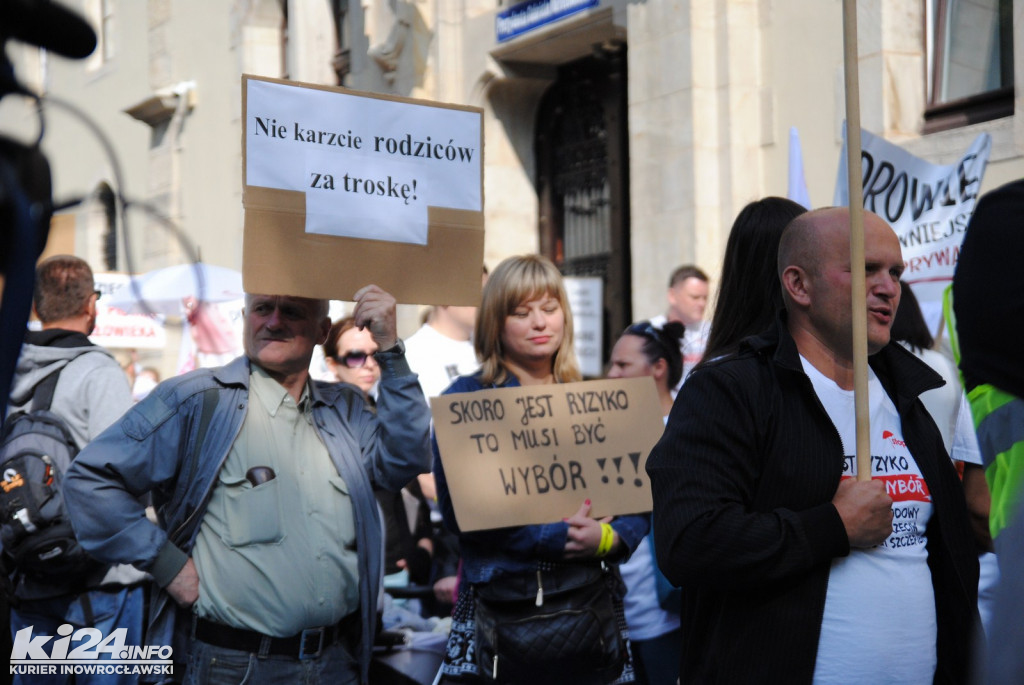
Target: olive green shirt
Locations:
point(280, 557)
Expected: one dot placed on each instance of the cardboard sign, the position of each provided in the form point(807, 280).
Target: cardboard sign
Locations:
point(928, 205)
point(342, 189)
point(520, 456)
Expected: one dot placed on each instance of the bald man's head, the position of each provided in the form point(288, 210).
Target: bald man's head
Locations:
point(807, 235)
point(813, 238)
point(815, 273)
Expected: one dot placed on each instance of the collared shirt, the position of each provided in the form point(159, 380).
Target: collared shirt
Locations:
point(281, 556)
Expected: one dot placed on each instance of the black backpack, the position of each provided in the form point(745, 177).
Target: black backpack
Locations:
point(35, 532)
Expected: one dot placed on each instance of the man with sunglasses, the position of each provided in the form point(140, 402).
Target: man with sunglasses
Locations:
point(91, 392)
point(269, 537)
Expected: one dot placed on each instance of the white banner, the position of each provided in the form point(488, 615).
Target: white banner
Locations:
point(586, 303)
point(928, 205)
point(116, 329)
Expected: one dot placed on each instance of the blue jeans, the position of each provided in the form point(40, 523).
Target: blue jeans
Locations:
point(210, 665)
point(114, 609)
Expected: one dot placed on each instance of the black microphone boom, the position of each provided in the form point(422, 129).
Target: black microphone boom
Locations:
point(49, 25)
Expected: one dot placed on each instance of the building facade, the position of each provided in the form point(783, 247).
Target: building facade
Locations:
point(621, 136)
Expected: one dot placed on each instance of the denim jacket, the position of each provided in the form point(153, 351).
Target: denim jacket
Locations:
point(152, 449)
point(490, 554)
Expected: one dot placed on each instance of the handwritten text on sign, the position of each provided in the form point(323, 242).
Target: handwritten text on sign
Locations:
point(376, 163)
point(518, 456)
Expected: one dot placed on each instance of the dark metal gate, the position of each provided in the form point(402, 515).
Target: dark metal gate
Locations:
point(583, 179)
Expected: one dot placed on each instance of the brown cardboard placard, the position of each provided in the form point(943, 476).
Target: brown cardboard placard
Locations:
point(528, 455)
point(280, 254)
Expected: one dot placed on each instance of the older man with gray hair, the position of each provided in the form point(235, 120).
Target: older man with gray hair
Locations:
point(267, 554)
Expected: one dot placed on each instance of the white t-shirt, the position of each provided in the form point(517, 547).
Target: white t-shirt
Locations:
point(438, 359)
point(879, 624)
point(965, 441)
point(942, 403)
point(949, 408)
point(644, 615)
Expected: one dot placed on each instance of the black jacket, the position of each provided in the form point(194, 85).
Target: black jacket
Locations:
point(743, 480)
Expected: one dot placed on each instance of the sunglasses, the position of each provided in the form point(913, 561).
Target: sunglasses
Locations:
point(646, 330)
point(353, 359)
point(643, 329)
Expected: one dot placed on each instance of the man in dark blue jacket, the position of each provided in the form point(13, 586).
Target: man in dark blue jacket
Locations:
point(792, 570)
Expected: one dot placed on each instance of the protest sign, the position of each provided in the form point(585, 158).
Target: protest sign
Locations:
point(586, 303)
point(526, 455)
point(117, 329)
point(928, 205)
point(342, 189)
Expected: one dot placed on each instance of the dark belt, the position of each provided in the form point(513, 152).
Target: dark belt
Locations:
point(305, 645)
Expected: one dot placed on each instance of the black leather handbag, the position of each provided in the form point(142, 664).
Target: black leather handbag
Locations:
point(558, 625)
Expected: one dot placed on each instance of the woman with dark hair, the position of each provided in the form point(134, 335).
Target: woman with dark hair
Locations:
point(643, 350)
point(909, 326)
point(524, 337)
point(348, 353)
point(651, 614)
point(749, 294)
point(910, 330)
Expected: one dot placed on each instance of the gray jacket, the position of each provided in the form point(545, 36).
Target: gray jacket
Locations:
point(92, 392)
point(153, 448)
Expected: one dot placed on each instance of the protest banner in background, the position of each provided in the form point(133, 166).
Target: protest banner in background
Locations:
point(116, 329)
point(587, 306)
point(342, 189)
point(526, 455)
point(928, 205)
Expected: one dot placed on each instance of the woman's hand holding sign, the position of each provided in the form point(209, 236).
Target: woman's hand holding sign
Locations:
point(588, 538)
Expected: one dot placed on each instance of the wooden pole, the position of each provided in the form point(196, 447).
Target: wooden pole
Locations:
point(858, 286)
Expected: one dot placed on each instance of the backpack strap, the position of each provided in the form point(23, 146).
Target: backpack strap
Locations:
point(42, 394)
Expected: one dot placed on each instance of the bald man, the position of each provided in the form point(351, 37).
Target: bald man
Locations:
point(792, 570)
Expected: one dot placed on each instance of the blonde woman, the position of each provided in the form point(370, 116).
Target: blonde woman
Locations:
point(524, 337)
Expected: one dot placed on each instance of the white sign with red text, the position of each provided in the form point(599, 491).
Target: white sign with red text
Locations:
point(115, 328)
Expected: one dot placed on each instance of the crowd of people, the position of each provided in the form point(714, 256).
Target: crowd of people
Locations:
point(248, 516)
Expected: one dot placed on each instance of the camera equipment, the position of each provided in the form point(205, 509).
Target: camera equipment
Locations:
point(26, 203)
